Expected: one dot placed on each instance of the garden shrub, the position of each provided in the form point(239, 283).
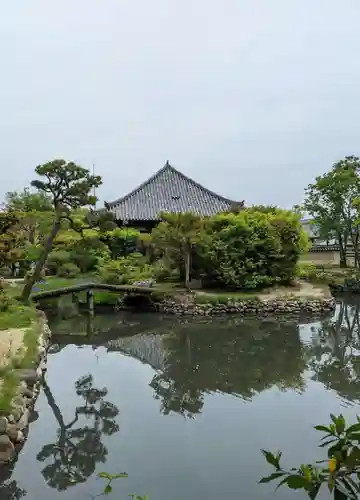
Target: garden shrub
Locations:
point(68, 270)
point(251, 249)
point(122, 241)
point(56, 259)
point(305, 270)
point(163, 270)
point(88, 253)
point(310, 272)
point(126, 270)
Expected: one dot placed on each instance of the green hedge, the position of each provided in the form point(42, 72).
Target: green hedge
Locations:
point(251, 249)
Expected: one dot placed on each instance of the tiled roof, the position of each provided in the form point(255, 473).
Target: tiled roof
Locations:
point(168, 191)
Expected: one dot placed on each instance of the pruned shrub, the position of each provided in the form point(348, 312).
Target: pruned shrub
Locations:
point(68, 270)
point(56, 259)
point(126, 270)
point(251, 249)
point(122, 242)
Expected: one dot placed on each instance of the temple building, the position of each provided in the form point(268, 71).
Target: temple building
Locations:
point(168, 190)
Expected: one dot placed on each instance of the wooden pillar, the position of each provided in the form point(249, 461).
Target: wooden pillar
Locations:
point(90, 326)
point(90, 301)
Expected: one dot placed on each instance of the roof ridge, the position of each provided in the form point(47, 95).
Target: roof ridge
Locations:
point(140, 186)
point(157, 174)
point(197, 184)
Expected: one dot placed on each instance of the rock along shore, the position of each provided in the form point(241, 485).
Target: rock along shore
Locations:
point(258, 307)
point(14, 424)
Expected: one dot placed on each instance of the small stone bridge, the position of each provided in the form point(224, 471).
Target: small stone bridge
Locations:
point(89, 288)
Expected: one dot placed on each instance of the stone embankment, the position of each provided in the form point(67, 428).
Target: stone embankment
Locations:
point(255, 307)
point(14, 423)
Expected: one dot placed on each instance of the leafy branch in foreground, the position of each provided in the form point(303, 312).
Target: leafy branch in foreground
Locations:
point(340, 472)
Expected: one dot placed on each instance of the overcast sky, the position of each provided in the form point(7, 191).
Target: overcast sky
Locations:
point(251, 98)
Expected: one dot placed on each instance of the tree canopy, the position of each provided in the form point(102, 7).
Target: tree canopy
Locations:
point(333, 201)
point(69, 186)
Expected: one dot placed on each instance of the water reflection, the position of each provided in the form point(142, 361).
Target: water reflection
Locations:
point(335, 351)
point(10, 490)
point(245, 363)
point(73, 457)
point(275, 370)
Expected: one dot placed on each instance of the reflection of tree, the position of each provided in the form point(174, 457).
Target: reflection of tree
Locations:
point(10, 490)
point(243, 359)
point(336, 351)
point(178, 394)
point(79, 448)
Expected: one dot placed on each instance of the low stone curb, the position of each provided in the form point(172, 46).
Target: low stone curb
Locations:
point(279, 306)
point(14, 426)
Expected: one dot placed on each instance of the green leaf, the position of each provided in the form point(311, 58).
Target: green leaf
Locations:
point(353, 428)
point(340, 486)
point(340, 424)
point(314, 491)
point(354, 487)
point(336, 448)
point(355, 436)
point(326, 443)
point(353, 458)
point(273, 476)
point(297, 482)
point(107, 490)
point(122, 474)
point(271, 458)
point(105, 475)
point(322, 428)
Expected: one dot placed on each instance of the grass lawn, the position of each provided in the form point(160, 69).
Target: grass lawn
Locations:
point(223, 296)
point(17, 316)
point(53, 282)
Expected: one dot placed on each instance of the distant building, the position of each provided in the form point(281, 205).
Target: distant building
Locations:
point(168, 190)
point(313, 234)
point(324, 252)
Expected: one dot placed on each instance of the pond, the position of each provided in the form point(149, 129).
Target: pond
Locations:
point(184, 407)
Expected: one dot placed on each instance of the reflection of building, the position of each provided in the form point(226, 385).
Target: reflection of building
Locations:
point(148, 349)
point(167, 191)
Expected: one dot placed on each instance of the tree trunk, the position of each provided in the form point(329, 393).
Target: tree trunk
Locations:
point(356, 247)
point(187, 267)
point(342, 249)
point(35, 276)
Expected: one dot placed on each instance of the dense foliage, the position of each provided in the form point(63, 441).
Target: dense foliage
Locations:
point(252, 249)
point(333, 202)
point(125, 270)
point(121, 241)
point(54, 230)
point(249, 249)
point(175, 237)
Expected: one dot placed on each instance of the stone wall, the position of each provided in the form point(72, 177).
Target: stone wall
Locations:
point(328, 257)
point(14, 425)
point(258, 307)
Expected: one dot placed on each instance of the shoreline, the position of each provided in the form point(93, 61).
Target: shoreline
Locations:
point(260, 308)
point(14, 422)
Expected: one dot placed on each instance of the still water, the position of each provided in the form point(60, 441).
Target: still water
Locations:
point(185, 407)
